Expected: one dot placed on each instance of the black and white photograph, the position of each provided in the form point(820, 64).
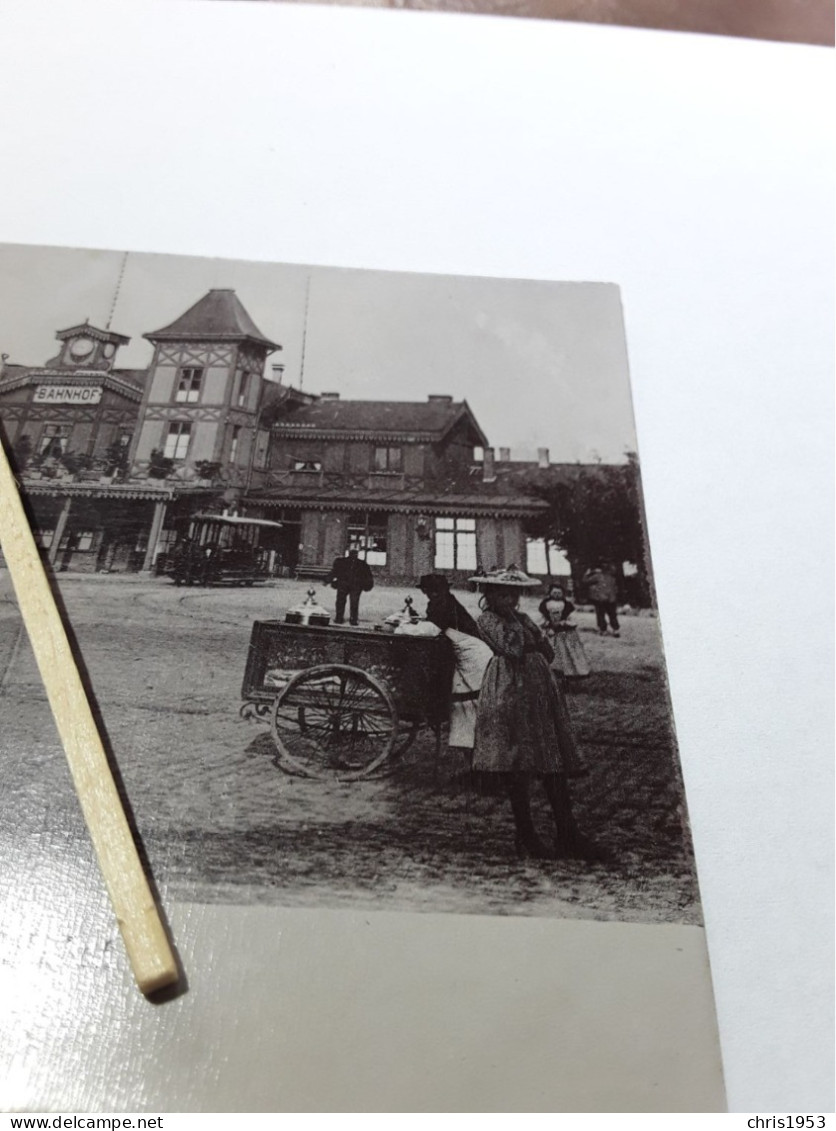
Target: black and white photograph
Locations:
point(421, 422)
point(358, 568)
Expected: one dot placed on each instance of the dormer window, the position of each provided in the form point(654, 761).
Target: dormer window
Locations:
point(188, 385)
point(387, 460)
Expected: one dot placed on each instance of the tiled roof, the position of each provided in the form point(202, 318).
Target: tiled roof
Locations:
point(218, 316)
point(137, 377)
point(508, 493)
point(432, 418)
point(13, 372)
point(468, 495)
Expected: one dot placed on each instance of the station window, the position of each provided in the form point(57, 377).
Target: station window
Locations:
point(233, 446)
point(43, 538)
point(243, 390)
point(53, 442)
point(367, 533)
point(388, 459)
point(177, 439)
point(188, 385)
point(262, 446)
point(455, 543)
point(77, 540)
point(307, 465)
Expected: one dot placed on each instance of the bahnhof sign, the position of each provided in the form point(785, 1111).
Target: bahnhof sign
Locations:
point(68, 394)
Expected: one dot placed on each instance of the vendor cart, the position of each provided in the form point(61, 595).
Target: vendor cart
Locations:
point(345, 702)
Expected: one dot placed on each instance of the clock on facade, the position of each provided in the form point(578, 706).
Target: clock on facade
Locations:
point(81, 348)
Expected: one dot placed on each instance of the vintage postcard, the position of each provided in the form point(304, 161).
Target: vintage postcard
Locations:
point(357, 565)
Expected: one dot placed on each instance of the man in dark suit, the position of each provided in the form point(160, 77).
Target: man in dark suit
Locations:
point(350, 577)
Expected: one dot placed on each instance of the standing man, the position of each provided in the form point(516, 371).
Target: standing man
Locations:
point(350, 577)
point(602, 590)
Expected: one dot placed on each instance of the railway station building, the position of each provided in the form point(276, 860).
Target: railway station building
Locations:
point(395, 480)
point(113, 459)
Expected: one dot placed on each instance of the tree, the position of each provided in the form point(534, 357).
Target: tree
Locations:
point(594, 515)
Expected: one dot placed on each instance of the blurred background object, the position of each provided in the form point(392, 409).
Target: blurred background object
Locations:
point(790, 21)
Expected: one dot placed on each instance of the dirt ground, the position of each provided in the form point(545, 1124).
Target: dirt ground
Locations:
point(219, 821)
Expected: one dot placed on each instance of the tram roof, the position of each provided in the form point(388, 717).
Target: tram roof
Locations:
point(233, 520)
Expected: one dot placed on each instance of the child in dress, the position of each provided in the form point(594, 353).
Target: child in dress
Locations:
point(569, 656)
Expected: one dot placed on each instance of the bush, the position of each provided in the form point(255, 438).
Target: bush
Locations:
point(159, 466)
point(74, 462)
point(207, 468)
point(116, 458)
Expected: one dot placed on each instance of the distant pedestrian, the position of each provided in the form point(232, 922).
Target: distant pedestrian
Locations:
point(602, 590)
point(569, 656)
point(350, 577)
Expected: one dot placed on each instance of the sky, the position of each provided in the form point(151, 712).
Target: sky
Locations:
point(542, 365)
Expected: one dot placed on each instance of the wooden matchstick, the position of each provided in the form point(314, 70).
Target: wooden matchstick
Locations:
point(139, 921)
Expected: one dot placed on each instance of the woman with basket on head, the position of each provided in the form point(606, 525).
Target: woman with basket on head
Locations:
point(523, 729)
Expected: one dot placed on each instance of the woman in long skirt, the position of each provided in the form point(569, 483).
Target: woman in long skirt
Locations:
point(523, 729)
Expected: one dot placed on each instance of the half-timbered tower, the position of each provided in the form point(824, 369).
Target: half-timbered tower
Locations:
point(199, 416)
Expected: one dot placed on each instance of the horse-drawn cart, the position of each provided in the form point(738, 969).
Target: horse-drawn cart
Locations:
point(343, 702)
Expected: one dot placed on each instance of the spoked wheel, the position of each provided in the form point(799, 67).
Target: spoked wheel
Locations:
point(334, 721)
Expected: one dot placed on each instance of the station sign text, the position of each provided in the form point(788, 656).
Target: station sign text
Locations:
point(68, 394)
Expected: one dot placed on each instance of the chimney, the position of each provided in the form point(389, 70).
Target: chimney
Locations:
point(504, 455)
point(329, 396)
point(278, 373)
point(488, 473)
point(542, 457)
point(437, 398)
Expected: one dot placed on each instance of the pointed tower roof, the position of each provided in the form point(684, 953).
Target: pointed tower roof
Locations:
point(218, 316)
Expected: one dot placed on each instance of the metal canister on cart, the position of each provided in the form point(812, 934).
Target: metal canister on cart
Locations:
point(309, 612)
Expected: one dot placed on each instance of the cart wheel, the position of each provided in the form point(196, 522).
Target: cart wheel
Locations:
point(334, 721)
